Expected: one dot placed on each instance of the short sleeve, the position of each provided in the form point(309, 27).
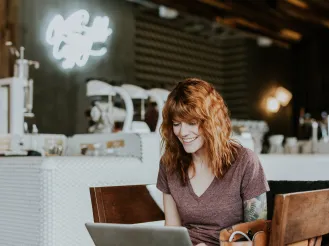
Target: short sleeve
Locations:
point(162, 182)
point(254, 181)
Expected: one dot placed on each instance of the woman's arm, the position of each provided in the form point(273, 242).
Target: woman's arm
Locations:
point(171, 213)
point(255, 208)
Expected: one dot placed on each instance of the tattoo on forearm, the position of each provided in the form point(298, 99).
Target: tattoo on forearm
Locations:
point(255, 208)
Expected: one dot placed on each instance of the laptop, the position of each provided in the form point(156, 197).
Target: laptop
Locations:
point(107, 234)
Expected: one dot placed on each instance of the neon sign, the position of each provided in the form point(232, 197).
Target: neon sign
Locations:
point(74, 41)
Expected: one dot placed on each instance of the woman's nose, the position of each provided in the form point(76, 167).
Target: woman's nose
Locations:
point(184, 130)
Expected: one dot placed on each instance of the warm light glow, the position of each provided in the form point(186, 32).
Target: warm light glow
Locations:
point(325, 23)
point(287, 33)
point(283, 96)
point(298, 3)
point(272, 105)
point(74, 41)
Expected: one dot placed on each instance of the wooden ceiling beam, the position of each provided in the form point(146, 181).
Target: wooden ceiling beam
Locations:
point(305, 15)
point(301, 17)
point(262, 13)
point(298, 3)
point(220, 5)
point(285, 35)
point(321, 12)
point(193, 8)
point(323, 4)
point(222, 15)
point(250, 23)
point(250, 32)
point(237, 9)
point(270, 7)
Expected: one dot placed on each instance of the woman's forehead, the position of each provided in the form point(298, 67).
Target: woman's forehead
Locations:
point(184, 112)
point(187, 118)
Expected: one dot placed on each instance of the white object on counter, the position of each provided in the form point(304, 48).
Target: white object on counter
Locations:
point(245, 140)
point(291, 146)
point(315, 126)
point(276, 144)
point(4, 110)
point(13, 153)
point(16, 103)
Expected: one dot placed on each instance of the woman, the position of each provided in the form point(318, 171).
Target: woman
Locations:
point(209, 181)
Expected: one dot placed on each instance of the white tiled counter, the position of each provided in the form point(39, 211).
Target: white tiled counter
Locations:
point(46, 201)
point(296, 167)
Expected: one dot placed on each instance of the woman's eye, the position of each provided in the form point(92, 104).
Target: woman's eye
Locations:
point(193, 123)
point(176, 124)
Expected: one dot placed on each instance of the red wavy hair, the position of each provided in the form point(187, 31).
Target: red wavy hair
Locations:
point(197, 100)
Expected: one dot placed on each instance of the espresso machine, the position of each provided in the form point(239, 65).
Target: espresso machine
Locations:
point(16, 102)
point(17, 94)
point(103, 113)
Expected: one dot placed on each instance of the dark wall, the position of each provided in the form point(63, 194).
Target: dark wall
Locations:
point(59, 97)
point(269, 67)
point(166, 54)
point(303, 69)
point(311, 77)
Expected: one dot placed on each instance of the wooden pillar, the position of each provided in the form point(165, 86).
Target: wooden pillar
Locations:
point(8, 32)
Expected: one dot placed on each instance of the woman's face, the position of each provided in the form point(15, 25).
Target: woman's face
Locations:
point(189, 135)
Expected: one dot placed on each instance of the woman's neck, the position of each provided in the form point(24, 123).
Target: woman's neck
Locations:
point(199, 158)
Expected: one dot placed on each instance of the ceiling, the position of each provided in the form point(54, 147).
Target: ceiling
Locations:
point(284, 22)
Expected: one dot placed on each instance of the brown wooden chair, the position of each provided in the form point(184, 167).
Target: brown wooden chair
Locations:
point(124, 205)
point(300, 216)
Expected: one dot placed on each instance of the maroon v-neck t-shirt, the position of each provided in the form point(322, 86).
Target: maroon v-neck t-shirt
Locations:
point(221, 205)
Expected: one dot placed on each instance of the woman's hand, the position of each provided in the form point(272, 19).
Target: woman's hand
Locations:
point(201, 244)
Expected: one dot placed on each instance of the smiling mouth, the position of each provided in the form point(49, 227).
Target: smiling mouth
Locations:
point(188, 140)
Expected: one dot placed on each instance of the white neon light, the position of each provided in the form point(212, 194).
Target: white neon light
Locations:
point(73, 41)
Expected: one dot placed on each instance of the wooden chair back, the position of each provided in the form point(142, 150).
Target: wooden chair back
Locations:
point(300, 216)
point(124, 205)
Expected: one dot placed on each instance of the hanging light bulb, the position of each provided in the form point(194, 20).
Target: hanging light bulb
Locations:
point(283, 96)
point(272, 105)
